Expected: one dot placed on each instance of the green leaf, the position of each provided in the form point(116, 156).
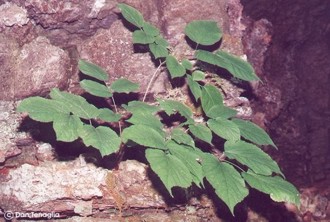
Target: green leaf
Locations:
point(158, 51)
point(278, 189)
point(150, 29)
point(227, 182)
point(124, 86)
point(221, 111)
point(210, 97)
point(253, 133)
point(174, 67)
point(161, 41)
point(201, 132)
point(181, 137)
point(76, 104)
point(92, 70)
point(138, 106)
point(66, 127)
point(198, 75)
point(237, 66)
point(190, 159)
point(131, 15)
point(224, 128)
point(203, 32)
point(172, 106)
point(108, 115)
point(41, 109)
point(194, 87)
point(144, 136)
point(140, 37)
point(95, 88)
point(187, 64)
point(102, 138)
point(171, 170)
point(147, 119)
point(253, 157)
point(209, 57)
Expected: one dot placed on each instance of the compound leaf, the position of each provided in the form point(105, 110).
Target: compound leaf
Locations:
point(158, 51)
point(210, 97)
point(187, 64)
point(224, 128)
point(227, 182)
point(66, 127)
point(92, 70)
point(41, 109)
point(174, 67)
point(150, 29)
point(171, 170)
point(208, 57)
point(172, 106)
point(194, 87)
point(144, 136)
point(203, 32)
point(108, 115)
point(201, 132)
point(147, 119)
point(237, 66)
point(95, 88)
point(190, 159)
point(124, 86)
point(221, 111)
point(161, 41)
point(76, 104)
point(253, 157)
point(138, 106)
point(278, 189)
point(253, 133)
point(181, 137)
point(131, 15)
point(102, 138)
point(140, 37)
point(198, 75)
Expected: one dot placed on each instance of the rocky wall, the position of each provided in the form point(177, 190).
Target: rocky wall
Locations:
point(40, 44)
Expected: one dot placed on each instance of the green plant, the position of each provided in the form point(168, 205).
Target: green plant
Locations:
point(170, 147)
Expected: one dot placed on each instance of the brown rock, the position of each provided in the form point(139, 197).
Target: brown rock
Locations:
point(11, 14)
point(113, 50)
point(34, 69)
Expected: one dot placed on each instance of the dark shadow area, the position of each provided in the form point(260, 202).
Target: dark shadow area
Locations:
point(296, 64)
point(210, 48)
point(267, 208)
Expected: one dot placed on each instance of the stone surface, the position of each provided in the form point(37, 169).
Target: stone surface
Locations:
point(297, 82)
point(11, 14)
point(40, 47)
point(113, 50)
point(33, 69)
point(9, 123)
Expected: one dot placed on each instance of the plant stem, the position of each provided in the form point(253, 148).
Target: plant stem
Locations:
point(233, 164)
point(151, 80)
point(119, 124)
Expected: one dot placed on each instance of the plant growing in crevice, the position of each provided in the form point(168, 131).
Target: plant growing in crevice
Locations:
point(170, 148)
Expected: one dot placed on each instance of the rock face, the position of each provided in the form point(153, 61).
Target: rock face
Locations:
point(297, 70)
point(91, 29)
point(40, 44)
point(33, 69)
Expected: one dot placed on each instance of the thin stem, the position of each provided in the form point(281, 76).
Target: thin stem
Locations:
point(196, 46)
point(114, 103)
point(233, 164)
point(151, 81)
